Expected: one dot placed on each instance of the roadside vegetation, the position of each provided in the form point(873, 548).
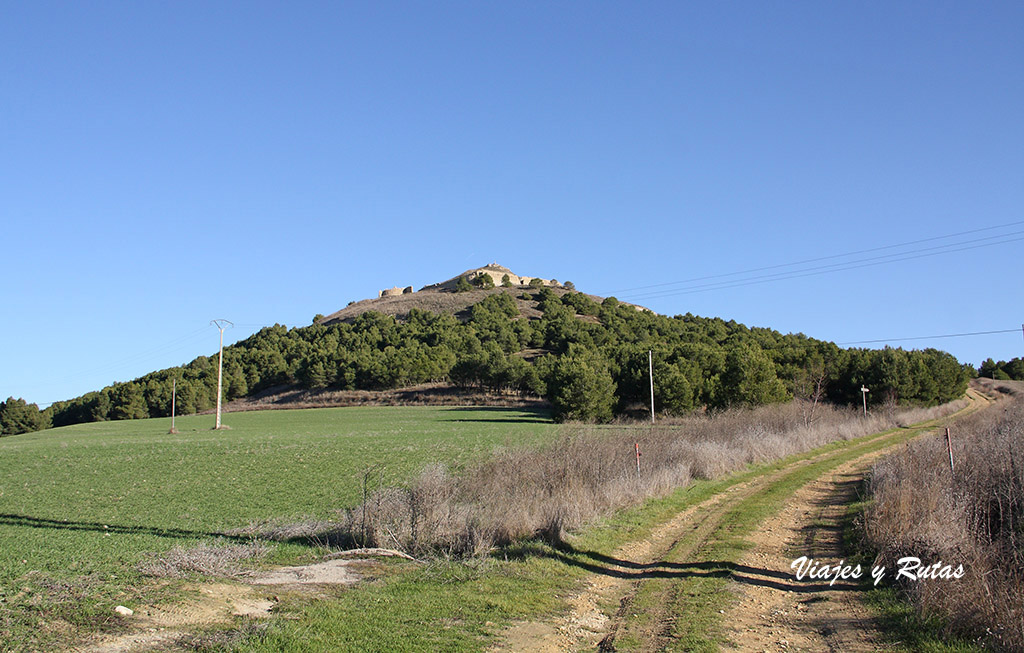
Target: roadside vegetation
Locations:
point(589, 471)
point(971, 515)
point(588, 359)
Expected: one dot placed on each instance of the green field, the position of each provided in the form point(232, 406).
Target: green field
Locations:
point(81, 505)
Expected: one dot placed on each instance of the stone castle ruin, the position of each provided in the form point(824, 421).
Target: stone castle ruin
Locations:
point(495, 271)
point(394, 291)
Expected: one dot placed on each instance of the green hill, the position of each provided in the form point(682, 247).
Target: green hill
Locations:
point(586, 355)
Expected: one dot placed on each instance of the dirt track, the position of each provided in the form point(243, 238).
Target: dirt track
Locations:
point(633, 595)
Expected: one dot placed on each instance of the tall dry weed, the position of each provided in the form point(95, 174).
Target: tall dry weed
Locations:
point(587, 472)
point(972, 515)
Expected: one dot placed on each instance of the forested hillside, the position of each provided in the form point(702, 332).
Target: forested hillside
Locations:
point(588, 359)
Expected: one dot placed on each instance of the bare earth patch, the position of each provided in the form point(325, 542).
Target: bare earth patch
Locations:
point(331, 572)
point(221, 603)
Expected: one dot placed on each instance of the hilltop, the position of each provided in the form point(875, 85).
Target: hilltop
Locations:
point(470, 339)
point(444, 297)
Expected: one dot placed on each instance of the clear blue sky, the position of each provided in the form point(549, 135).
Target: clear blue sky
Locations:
point(166, 163)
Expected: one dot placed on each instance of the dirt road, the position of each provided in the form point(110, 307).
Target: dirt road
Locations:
point(717, 575)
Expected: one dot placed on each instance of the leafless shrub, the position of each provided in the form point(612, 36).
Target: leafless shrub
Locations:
point(205, 559)
point(587, 472)
point(283, 530)
point(971, 516)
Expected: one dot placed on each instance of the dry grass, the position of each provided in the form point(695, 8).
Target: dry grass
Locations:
point(972, 516)
point(223, 560)
point(589, 471)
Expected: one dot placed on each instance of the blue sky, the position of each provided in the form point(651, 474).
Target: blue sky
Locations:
point(163, 164)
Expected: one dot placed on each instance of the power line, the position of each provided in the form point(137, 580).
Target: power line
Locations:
point(944, 335)
point(167, 347)
point(838, 267)
point(170, 346)
point(820, 258)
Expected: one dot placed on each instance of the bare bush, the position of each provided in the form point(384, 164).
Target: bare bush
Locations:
point(283, 530)
point(587, 472)
point(971, 516)
point(208, 560)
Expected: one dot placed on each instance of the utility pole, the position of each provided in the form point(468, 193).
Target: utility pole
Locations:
point(174, 396)
point(650, 368)
point(220, 324)
point(864, 393)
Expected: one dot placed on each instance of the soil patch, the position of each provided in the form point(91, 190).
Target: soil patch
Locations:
point(210, 604)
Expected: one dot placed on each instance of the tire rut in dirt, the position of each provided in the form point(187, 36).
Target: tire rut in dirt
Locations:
point(659, 634)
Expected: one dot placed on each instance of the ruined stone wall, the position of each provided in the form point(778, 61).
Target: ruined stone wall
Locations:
point(514, 279)
point(390, 292)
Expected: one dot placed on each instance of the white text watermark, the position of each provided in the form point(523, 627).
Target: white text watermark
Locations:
point(910, 568)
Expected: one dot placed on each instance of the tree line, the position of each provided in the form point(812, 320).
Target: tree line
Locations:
point(1011, 370)
point(589, 359)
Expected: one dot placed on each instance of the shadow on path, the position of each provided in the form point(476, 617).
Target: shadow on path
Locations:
point(599, 563)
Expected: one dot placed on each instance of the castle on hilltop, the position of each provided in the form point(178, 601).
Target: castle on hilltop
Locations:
point(496, 272)
point(394, 291)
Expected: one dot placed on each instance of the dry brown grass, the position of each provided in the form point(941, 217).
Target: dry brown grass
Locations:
point(427, 394)
point(972, 516)
point(207, 560)
point(589, 471)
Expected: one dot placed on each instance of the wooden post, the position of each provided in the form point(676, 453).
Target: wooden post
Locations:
point(864, 393)
point(949, 448)
point(637, 446)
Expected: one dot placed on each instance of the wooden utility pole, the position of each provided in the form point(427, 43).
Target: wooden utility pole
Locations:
point(864, 393)
point(650, 369)
point(220, 324)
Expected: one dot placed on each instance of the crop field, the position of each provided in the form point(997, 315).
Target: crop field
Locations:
point(81, 505)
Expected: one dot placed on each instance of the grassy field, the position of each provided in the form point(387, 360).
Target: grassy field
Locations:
point(81, 505)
